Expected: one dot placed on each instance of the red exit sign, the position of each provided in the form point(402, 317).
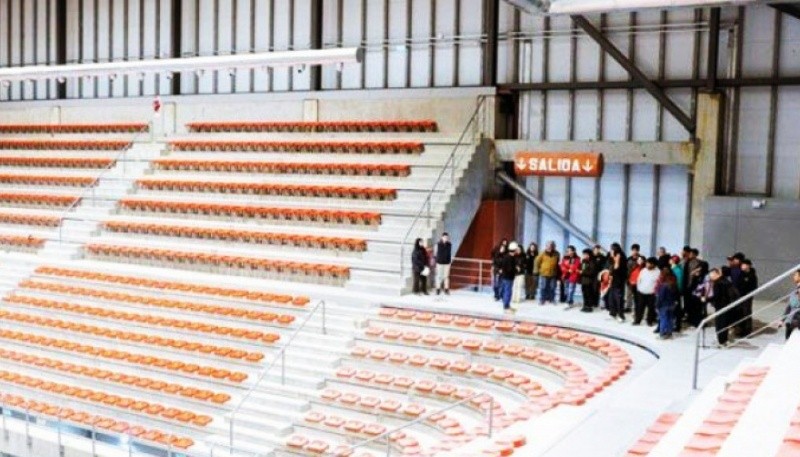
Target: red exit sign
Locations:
point(572, 164)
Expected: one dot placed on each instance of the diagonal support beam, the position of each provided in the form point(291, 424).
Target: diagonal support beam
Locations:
point(635, 73)
point(791, 9)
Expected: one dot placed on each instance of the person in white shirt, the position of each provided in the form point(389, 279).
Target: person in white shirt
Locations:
point(646, 287)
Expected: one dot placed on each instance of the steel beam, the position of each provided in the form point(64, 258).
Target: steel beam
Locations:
point(634, 72)
point(790, 9)
point(316, 41)
point(491, 31)
point(545, 209)
point(713, 49)
point(176, 34)
point(61, 44)
point(665, 83)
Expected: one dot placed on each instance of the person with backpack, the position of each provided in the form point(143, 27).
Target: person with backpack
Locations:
point(666, 300)
point(723, 293)
point(570, 274)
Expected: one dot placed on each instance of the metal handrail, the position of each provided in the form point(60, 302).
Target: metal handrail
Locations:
point(451, 163)
point(424, 418)
point(282, 356)
point(761, 309)
point(97, 178)
point(700, 328)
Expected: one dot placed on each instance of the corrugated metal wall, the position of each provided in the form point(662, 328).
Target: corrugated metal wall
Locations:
point(441, 43)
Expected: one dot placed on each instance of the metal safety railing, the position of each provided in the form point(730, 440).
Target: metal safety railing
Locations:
point(472, 274)
point(119, 157)
point(280, 356)
point(732, 308)
point(477, 124)
point(385, 437)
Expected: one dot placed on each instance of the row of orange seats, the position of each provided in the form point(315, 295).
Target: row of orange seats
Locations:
point(140, 360)
point(94, 421)
point(289, 190)
point(38, 200)
point(100, 312)
point(65, 145)
point(30, 219)
point(55, 162)
point(300, 444)
point(177, 390)
point(791, 441)
point(370, 404)
point(231, 293)
point(358, 147)
point(114, 401)
point(252, 211)
point(303, 168)
point(238, 236)
point(74, 128)
point(155, 302)
point(644, 445)
point(47, 180)
point(315, 270)
point(318, 126)
point(22, 241)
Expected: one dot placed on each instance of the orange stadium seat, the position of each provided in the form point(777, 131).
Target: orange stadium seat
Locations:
point(74, 128)
point(239, 236)
point(65, 145)
point(84, 419)
point(239, 166)
point(245, 211)
point(28, 219)
point(38, 200)
point(44, 180)
point(371, 193)
point(329, 126)
point(357, 147)
point(21, 241)
point(55, 162)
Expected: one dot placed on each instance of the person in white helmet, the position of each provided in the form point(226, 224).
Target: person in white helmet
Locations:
point(509, 268)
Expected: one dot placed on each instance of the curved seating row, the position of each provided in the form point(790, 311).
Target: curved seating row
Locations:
point(717, 426)
point(162, 303)
point(371, 404)
point(315, 447)
point(141, 382)
point(644, 445)
point(145, 361)
point(161, 285)
point(298, 168)
point(245, 211)
point(65, 145)
point(102, 424)
point(177, 415)
point(47, 180)
point(25, 242)
point(132, 127)
point(56, 162)
point(38, 200)
point(237, 235)
point(103, 313)
point(318, 126)
point(202, 260)
point(286, 190)
point(30, 219)
point(357, 147)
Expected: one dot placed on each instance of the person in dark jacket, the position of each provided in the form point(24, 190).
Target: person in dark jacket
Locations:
point(630, 291)
point(747, 284)
point(723, 293)
point(444, 257)
point(531, 275)
point(694, 273)
point(666, 301)
point(601, 263)
point(791, 315)
point(497, 254)
point(663, 259)
point(509, 267)
point(588, 278)
point(619, 276)
point(419, 261)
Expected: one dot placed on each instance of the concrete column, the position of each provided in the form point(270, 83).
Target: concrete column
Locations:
point(705, 175)
point(311, 110)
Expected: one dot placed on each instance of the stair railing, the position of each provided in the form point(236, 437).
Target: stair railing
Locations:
point(700, 332)
point(281, 355)
point(91, 188)
point(476, 123)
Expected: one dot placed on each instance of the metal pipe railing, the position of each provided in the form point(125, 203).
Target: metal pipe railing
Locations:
point(451, 164)
point(385, 436)
point(91, 188)
point(700, 328)
point(281, 355)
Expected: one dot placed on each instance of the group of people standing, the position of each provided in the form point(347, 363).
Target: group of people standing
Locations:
point(426, 262)
point(664, 291)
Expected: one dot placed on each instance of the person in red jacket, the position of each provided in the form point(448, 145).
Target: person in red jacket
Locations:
point(570, 273)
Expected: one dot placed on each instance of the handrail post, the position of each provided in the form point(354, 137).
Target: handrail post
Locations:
point(696, 361)
point(324, 319)
point(283, 366)
point(491, 418)
point(480, 277)
point(230, 433)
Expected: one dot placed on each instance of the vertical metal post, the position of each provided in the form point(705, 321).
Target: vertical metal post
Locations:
point(60, 446)
point(491, 418)
point(283, 366)
point(324, 319)
point(230, 433)
point(696, 360)
point(28, 440)
point(388, 446)
point(94, 442)
point(5, 430)
point(480, 276)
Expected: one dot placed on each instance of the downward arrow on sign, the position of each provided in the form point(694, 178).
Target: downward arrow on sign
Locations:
point(587, 166)
point(521, 164)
